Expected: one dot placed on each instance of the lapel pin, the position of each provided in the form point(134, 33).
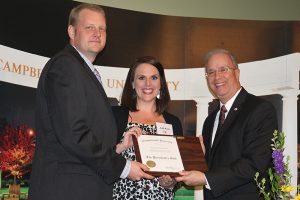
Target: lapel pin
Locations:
point(235, 109)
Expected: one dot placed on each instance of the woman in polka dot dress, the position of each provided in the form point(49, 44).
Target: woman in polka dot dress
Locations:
point(143, 103)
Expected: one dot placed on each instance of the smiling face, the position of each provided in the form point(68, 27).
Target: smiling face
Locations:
point(88, 35)
point(223, 84)
point(146, 83)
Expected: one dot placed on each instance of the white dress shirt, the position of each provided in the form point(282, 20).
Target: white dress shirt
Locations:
point(228, 106)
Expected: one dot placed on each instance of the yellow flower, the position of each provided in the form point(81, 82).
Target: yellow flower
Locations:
point(297, 197)
point(287, 188)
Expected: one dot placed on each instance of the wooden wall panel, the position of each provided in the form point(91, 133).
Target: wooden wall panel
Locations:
point(295, 37)
point(134, 34)
point(181, 42)
point(248, 40)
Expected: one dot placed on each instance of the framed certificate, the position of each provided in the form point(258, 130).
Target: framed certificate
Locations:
point(167, 155)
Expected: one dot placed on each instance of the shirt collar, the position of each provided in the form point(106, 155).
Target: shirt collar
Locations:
point(86, 60)
point(229, 103)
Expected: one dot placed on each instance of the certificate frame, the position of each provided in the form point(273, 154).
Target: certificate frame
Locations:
point(190, 150)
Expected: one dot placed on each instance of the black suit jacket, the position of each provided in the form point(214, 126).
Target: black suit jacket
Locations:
point(76, 134)
point(121, 115)
point(240, 149)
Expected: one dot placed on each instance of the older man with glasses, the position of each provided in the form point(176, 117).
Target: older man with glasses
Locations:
point(237, 135)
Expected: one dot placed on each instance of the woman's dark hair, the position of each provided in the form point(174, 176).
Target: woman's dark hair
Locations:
point(129, 97)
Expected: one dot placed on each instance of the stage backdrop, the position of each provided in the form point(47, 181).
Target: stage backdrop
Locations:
point(34, 32)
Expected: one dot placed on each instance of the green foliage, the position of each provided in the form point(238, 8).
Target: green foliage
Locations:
point(279, 175)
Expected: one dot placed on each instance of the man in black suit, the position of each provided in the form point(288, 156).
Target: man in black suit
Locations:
point(75, 154)
point(237, 139)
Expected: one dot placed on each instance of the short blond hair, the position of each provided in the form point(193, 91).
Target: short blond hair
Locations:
point(73, 17)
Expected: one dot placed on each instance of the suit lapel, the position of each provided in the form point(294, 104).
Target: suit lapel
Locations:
point(207, 134)
point(208, 141)
point(94, 78)
point(234, 111)
point(86, 68)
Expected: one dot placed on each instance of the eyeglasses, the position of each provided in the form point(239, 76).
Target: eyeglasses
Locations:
point(221, 70)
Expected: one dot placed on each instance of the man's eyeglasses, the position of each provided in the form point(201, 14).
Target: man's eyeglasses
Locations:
point(220, 70)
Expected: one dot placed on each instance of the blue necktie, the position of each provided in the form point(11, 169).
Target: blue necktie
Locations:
point(97, 75)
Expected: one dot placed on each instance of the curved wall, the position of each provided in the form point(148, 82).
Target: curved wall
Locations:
point(219, 9)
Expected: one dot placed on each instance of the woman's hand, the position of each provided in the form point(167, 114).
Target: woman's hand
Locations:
point(127, 139)
point(167, 182)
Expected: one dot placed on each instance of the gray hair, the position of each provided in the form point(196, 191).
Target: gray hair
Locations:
point(209, 54)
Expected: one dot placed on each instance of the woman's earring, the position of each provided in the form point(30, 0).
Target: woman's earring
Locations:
point(158, 95)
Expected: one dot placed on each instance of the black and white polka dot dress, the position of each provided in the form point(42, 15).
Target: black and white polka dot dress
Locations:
point(143, 189)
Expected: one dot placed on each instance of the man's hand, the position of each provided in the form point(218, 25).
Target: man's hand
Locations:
point(192, 178)
point(137, 171)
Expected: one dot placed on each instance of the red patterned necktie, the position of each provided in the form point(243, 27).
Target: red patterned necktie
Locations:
point(97, 75)
point(222, 115)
